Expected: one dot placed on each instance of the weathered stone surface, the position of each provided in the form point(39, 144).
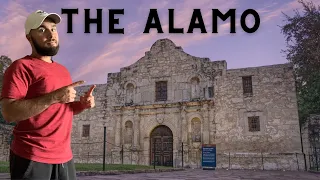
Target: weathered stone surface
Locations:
point(129, 97)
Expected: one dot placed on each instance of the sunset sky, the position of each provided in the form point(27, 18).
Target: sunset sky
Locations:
point(91, 57)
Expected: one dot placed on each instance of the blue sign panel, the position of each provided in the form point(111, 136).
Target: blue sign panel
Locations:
point(209, 156)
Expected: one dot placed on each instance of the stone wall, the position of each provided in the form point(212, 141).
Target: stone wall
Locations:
point(273, 100)
point(261, 161)
point(206, 101)
point(92, 145)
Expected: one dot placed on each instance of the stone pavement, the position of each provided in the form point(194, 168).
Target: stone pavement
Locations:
point(197, 174)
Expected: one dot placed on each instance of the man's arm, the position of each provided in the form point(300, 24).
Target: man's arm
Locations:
point(18, 110)
point(15, 110)
point(16, 81)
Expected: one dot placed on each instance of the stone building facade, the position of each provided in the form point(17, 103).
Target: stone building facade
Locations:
point(169, 99)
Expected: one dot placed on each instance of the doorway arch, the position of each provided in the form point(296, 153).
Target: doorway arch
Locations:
point(161, 146)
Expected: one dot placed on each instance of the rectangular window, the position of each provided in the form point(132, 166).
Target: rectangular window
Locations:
point(247, 85)
point(210, 92)
point(161, 91)
point(254, 123)
point(86, 130)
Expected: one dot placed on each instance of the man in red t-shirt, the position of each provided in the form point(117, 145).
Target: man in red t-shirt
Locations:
point(39, 96)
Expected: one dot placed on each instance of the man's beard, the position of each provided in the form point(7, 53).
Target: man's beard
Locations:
point(45, 51)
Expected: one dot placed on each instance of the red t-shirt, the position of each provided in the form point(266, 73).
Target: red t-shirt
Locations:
point(45, 137)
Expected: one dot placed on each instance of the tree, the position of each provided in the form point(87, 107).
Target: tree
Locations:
point(302, 34)
point(5, 62)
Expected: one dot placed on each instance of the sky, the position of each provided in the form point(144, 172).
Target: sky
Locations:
point(91, 56)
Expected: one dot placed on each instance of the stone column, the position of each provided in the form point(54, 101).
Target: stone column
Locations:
point(205, 124)
point(136, 137)
point(212, 127)
point(184, 127)
point(118, 128)
point(179, 126)
point(184, 136)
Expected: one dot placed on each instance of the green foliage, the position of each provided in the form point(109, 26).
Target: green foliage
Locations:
point(309, 98)
point(302, 32)
point(5, 61)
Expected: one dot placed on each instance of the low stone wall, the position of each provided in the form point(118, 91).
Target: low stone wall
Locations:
point(257, 161)
point(261, 161)
point(115, 172)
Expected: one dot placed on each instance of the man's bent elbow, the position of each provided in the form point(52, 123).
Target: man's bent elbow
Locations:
point(5, 116)
point(5, 110)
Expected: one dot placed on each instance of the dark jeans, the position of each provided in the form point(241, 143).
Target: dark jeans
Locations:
point(21, 168)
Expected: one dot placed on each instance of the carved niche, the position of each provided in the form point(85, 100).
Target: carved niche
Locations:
point(196, 130)
point(128, 133)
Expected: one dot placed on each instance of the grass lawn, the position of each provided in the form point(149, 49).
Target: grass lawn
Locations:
point(4, 167)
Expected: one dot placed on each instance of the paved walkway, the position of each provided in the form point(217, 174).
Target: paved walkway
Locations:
point(197, 174)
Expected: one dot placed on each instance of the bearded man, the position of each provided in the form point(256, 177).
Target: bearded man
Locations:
point(39, 96)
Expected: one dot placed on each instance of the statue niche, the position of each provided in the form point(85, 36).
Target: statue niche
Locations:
point(196, 130)
point(128, 134)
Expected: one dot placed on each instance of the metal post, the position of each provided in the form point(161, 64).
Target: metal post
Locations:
point(302, 148)
point(310, 162)
point(315, 152)
point(154, 154)
point(305, 161)
point(104, 147)
point(122, 154)
point(297, 161)
point(88, 158)
point(262, 161)
point(182, 156)
point(229, 160)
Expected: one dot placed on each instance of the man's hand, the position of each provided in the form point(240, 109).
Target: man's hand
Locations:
point(66, 94)
point(87, 100)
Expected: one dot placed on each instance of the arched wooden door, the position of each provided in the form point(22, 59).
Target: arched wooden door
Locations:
point(161, 146)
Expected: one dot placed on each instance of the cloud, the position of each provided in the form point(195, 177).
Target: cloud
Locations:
point(270, 12)
point(133, 45)
point(146, 6)
point(132, 27)
point(13, 42)
point(113, 55)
